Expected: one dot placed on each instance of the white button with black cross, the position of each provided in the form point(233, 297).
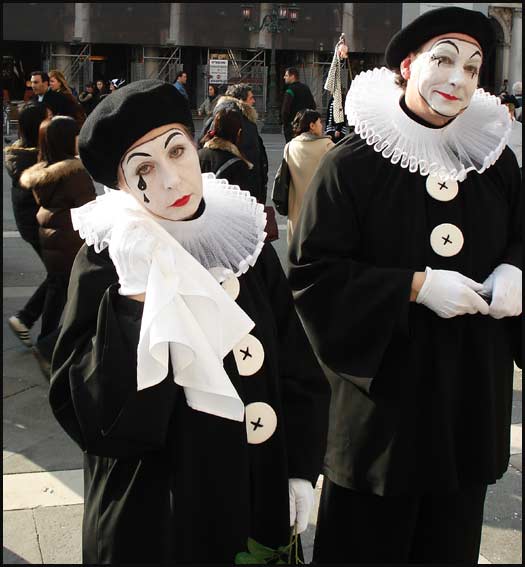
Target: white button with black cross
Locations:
point(261, 422)
point(249, 355)
point(446, 240)
point(441, 190)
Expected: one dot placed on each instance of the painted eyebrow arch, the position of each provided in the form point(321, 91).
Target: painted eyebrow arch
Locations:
point(475, 53)
point(136, 154)
point(172, 135)
point(447, 41)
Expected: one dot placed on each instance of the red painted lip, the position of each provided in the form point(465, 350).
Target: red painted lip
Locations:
point(447, 96)
point(181, 202)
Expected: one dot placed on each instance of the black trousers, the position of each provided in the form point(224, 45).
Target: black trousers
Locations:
point(437, 527)
point(288, 132)
point(55, 300)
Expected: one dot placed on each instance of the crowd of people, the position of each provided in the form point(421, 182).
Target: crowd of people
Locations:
point(208, 389)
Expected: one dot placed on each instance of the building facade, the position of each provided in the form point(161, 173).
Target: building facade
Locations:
point(92, 40)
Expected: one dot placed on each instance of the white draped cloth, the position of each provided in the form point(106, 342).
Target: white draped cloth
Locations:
point(188, 318)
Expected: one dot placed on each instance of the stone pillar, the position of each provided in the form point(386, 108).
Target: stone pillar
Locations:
point(176, 31)
point(515, 47)
point(348, 25)
point(265, 38)
point(82, 32)
point(61, 59)
point(151, 66)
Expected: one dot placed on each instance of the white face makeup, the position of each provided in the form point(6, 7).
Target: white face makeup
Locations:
point(161, 170)
point(447, 74)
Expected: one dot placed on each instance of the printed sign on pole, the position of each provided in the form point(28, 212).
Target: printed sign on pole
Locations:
point(218, 71)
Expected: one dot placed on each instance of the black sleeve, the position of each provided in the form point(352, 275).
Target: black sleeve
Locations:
point(286, 108)
point(351, 310)
point(93, 391)
point(305, 389)
point(263, 170)
point(512, 175)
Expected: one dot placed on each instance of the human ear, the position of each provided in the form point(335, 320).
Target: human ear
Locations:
point(404, 68)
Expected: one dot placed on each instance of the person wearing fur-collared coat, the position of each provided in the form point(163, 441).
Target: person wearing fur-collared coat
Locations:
point(251, 144)
point(59, 182)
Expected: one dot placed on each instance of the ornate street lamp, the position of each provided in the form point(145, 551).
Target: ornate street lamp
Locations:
point(281, 19)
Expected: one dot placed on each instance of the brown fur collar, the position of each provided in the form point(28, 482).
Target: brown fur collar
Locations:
point(222, 144)
point(248, 111)
point(16, 147)
point(39, 174)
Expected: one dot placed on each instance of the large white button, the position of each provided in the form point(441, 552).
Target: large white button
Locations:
point(261, 422)
point(446, 239)
point(441, 190)
point(249, 355)
point(228, 280)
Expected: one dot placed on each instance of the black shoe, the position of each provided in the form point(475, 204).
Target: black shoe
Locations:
point(43, 363)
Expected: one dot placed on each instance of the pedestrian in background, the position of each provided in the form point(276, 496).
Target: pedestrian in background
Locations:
point(206, 108)
point(115, 84)
point(59, 183)
point(102, 89)
point(302, 156)
point(240, 97)
point(180, 84)
point(89, 98)
point(515, 141)
point(54, 101)
point(58, 83)
point(220, 153)
point(336, 130)
point(517, 92)
point(297, 96)
point(18, 157)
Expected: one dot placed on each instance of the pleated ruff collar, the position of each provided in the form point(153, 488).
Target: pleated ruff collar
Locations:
point(473, 141)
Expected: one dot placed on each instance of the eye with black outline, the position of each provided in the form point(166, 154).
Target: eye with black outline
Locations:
point(144, 169)
point(176, 151)
point(442, 59)
point(472, 70)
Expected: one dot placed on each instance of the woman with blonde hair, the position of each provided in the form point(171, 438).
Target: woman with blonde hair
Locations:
point(58, 83)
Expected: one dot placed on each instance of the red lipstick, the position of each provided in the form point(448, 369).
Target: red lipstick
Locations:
point(447, 96)
point(181, 202)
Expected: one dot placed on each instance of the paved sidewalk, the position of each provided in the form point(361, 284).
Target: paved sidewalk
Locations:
point(42, 476)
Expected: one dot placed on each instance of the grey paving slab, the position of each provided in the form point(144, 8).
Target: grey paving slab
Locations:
point(27, 421)
point(55, 453)
point(20, 541)
point(60, 534)
point(516, 411)
point(516, 462)
point(504, 499)
point(502, 545)
point(13, 386)
point(19, 363)
point(518, 382)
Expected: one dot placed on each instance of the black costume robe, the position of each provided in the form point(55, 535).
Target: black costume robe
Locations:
point(145, 449)
point(418, 401)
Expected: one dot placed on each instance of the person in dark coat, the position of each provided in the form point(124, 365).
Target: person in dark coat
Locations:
point(58, 83)
point(182, 370)
point(89, 98)
point(240, 97)
point(55, 101)
point(220, 153)
point(297, 96)
point(406, 270)
point(58, 182)
point(20, 156)
point(336, 130)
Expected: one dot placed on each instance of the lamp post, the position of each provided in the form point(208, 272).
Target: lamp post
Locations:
point(281, 19)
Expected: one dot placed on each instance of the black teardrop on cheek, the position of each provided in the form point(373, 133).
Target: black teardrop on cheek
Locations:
point(146, 200)
point(142, 184)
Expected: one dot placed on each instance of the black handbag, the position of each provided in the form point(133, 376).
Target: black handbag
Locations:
point(281, 188)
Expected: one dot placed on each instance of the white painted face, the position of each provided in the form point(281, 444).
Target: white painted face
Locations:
point(447, 74)
point(161, 170)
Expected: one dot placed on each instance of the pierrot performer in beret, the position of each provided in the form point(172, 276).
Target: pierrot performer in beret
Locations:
point(182, 370)
point(406, 271)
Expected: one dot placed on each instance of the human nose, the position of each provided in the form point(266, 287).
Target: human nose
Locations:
point(457, 76)
point(171, 178)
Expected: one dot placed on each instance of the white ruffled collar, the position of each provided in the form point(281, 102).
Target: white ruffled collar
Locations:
point(471, 142)
point(188, 318)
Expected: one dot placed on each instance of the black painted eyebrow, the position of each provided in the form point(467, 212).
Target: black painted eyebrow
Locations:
point(172, 135)
point(136, 154)
point(447, 41)
point(475, 53)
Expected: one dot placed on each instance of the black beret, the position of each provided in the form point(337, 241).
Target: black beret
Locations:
point(123, 117)
point(438, 22)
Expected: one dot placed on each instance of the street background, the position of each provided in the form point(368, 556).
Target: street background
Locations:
point(42, 467)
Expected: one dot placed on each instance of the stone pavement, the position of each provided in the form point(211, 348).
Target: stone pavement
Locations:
point(42, 468)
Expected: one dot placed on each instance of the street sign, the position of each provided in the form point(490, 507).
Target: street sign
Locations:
point(218, 71)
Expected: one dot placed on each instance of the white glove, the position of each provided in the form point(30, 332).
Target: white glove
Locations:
point(301, 502)
point(504, 284)
point(450, 293)
point(131, 250)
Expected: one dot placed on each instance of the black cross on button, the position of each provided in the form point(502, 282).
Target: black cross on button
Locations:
point(442, 186)
point(246, 353)
point(256, 424)
point(446, 240)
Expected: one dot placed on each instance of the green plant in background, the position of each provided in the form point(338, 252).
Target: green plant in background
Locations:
point(259, 554)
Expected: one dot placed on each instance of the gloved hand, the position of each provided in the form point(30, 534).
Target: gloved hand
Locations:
point(301, 502)
point(450, 293)
point(131, 250)
point(504, 284)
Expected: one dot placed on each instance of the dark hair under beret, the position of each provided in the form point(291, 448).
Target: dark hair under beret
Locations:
point(123, 117)
point(438, 22)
